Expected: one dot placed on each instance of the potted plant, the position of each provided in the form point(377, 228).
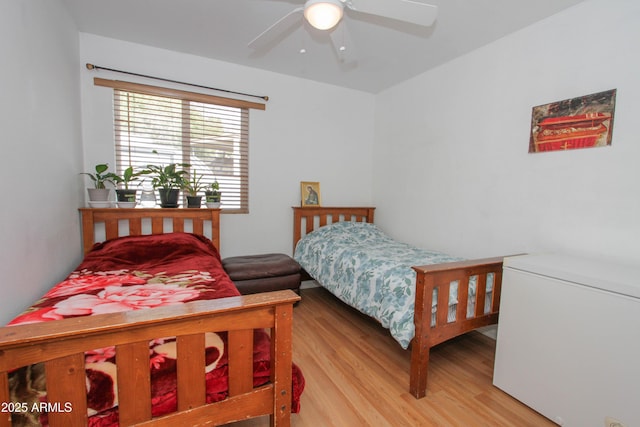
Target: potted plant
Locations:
point(168, 180)
point(99, 192)
point(126, 195)
point(192, 186)
point(212, 197)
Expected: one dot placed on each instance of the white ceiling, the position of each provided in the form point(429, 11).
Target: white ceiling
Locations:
point(387, 52)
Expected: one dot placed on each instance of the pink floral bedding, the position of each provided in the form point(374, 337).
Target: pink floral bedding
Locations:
point(134, 273)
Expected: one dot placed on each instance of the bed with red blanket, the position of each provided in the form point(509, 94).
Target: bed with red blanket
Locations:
point(148, 275)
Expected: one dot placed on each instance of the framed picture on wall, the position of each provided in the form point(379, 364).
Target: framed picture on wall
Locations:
point(582, 122)
point(310, 193)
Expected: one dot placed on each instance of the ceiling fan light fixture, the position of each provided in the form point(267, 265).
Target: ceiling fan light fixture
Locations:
point(323, 14)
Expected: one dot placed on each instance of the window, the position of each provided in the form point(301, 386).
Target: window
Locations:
point(161, 126)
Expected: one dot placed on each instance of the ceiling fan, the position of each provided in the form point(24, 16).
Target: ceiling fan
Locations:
point(326, 14)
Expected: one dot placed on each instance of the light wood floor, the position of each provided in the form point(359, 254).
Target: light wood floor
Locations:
point(357, 375)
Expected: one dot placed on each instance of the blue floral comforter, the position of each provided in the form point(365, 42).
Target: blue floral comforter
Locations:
point(368, 270)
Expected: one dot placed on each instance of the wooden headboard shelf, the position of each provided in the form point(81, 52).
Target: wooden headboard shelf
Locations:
point(111, 218)
point(304, 220)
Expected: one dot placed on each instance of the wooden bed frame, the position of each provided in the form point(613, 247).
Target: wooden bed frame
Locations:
point(61, 344)
point(428, 278)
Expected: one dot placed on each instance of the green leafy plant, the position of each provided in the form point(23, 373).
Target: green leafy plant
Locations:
point(127, 177)
point(167, 177)
point(194, 184)
point(100, 178)
point(214, 194)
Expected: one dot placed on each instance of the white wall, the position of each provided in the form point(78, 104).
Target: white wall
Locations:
point(41, 150)
point(456, 140)
point(308, 132)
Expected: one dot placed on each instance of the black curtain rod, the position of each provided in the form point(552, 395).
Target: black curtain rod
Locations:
point(96, 67)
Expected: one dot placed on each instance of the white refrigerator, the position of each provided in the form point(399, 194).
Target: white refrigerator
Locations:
point(568, 342)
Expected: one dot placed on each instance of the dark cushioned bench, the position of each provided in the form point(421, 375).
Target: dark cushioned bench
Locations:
point(262, 273)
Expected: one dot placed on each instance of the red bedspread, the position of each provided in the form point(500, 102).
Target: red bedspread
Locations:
point(132, 273)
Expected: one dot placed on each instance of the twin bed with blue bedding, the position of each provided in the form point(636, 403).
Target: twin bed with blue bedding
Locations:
point(370, 271)
point(423, 297)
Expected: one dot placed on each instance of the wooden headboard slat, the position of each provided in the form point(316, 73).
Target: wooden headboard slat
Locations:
point(198, 226)
point(111, 228)
point(135, 226)
point(157, 225)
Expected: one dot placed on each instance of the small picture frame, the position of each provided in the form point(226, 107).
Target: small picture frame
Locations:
point(310, 193)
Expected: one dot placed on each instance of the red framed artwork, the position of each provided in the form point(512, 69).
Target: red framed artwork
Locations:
point(582, 122)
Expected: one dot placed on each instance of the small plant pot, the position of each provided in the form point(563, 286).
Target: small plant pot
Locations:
point(212, 197)
point(98, 194)
point(213, 205)
point(169, 198)
point(126, 195)
point(194, 201)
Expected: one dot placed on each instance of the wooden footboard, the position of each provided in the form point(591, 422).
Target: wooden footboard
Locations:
point(432, 330)
point(61, 346)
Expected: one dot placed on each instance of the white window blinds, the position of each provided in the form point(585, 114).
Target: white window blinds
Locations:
point(165, 126)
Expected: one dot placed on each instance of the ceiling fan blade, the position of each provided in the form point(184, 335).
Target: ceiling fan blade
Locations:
point(343, 44)
point(283, 24)
point(401, 10)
